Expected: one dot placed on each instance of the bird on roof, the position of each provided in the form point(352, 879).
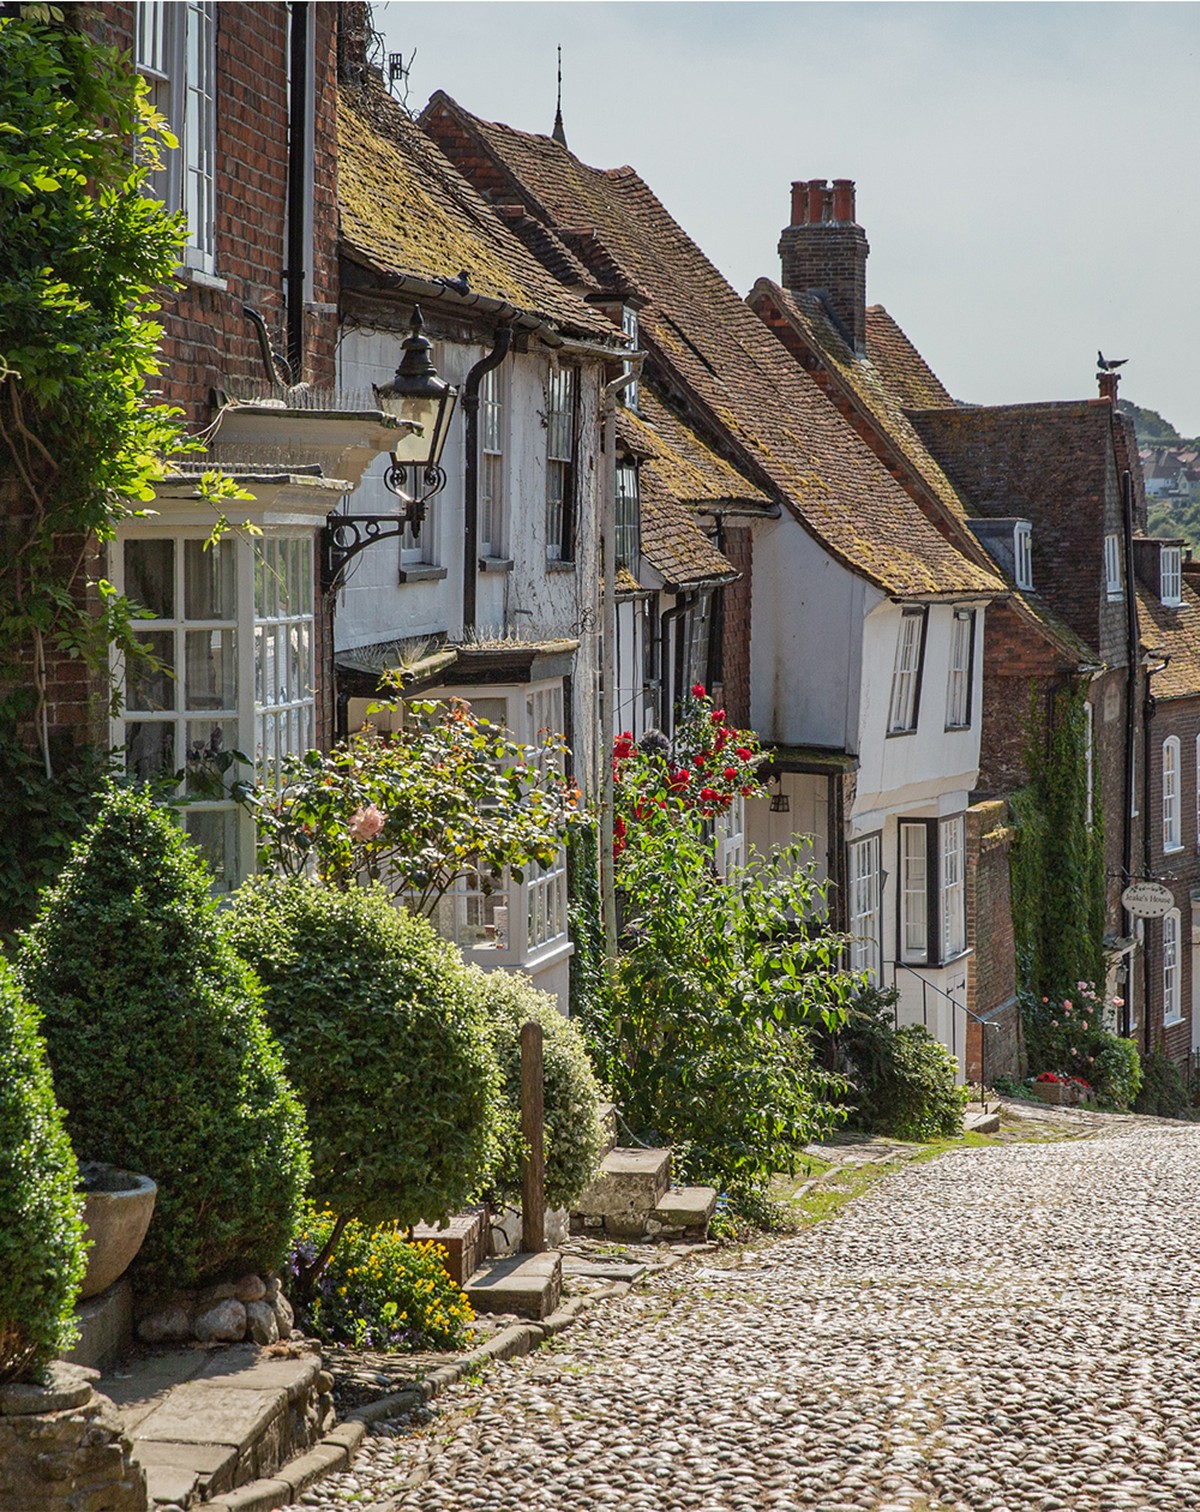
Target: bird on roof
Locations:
point(461, 284)
point(1110, 367)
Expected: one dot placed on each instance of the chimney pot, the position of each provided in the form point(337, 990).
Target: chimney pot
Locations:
point(1108, 386)
point(799, 202)
point(816, 200)
point(843, 199)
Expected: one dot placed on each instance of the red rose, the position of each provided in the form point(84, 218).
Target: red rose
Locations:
point(744, 753)
point(623, 746)
point(678, 780)
point(709, 795)
point(717, 716)
point(698, 690)
point(729, 774)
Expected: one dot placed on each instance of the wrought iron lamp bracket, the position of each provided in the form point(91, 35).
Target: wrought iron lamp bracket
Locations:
point(345, 536)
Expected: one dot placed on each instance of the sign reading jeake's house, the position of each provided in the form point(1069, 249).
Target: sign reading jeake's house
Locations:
point(1147, 900)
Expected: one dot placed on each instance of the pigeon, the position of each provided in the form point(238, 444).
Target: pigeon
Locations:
point(1110, 367)
point(461, 284)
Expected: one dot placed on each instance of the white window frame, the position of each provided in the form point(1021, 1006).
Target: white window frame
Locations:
point(562, 396)
point(904, 705)
point(1172, 967)
point(958, 683)
point(952, 885)
point(1114, 585)
point(492, 490)
point(1023, 554)
point(1170, 575)
point(629, 325)
point(865, 911)
point(628, 509)
point(175, 49)
point(913, 944)
point(1172, 837)
point(729, 835)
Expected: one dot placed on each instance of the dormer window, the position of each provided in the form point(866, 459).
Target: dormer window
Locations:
point(1112, 567)
point(1170, 570)
point(1023, 554)
point(629, 324)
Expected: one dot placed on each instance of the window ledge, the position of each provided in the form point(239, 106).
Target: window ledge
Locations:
point(419, 573)
point(201, 279)
point(891, 734)
point(1172, 850)
point(1170, 1022)
point(959, 729)
point(557, 566)
point(495, 564)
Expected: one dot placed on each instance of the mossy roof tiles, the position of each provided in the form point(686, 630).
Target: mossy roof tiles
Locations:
point(1174, 633)
point(739, 382)
point(904, 370)
point(405, 209)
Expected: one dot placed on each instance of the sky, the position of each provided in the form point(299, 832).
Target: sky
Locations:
point(1027, 173)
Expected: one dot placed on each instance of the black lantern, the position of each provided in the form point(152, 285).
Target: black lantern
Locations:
point(422, 403)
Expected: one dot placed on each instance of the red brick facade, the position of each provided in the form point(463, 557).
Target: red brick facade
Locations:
point(993, 1033)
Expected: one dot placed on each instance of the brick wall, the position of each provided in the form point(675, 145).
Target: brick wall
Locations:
point(993, 1048)
point(738, 546)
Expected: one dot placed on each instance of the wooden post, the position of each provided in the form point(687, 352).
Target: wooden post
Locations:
point(533, 1171)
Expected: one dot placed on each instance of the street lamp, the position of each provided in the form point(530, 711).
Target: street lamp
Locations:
point(422, 404)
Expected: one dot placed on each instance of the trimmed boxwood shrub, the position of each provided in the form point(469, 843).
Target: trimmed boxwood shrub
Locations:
point(574, 1138)
point(1113, 1067)
point(383, 1034)
point(42, 1243)
point(902, 1081)
point(160, 1049)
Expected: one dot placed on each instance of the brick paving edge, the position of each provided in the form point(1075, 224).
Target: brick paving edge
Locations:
point(335, 1451)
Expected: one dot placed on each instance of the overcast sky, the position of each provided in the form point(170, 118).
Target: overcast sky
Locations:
point(1027, 173)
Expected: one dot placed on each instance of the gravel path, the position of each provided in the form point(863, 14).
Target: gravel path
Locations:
point(1013, 1327)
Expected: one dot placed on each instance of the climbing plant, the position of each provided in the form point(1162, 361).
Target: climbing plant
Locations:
point(1058, 853)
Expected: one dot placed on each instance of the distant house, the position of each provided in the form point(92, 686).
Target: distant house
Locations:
point(852, 637)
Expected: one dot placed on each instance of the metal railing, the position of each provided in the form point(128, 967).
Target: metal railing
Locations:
point(956, 1008)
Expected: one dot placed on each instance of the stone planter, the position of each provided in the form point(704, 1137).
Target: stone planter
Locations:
point(117, 1214)
point(1061, 1094)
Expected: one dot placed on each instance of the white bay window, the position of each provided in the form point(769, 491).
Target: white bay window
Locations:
point(933, 890)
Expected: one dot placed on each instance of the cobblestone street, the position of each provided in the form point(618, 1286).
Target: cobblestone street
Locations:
point(1012, 1327)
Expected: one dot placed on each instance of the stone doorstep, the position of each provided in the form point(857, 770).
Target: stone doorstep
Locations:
point(208, 1468)
point(686, 1207)
point(464, 1239)
point(981, 1123)
point(529, 1285)
point(630, 1184)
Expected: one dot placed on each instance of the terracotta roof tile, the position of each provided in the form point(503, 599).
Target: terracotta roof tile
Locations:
point(1175, 633)
point(904, 370)
point(405, 209)
point(738, 383)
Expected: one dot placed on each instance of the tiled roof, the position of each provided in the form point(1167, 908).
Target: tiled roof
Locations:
point(904, 370)
point(1174, 633)
point(673, 544)
point(736, 382)
point(405, 209)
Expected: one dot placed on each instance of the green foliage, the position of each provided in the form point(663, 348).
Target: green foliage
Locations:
point(1164, 1091)
point(589, 974)
point(382, 1032)
point(1057, 861)
point(1114, 1068)
point(1066, 1035)
point(574, 1138)
point(83, 254)
point(42, 1245)
point(447, 797)
point(379, 1291)
point(900, 1081)
point(160, 1049)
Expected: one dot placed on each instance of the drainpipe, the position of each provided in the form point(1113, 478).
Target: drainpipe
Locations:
point(297, 185)
point(1133, 652)
point(608, 660)
point(470, 404)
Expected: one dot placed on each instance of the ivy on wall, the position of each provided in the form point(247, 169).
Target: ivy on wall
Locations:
point(1057, 858)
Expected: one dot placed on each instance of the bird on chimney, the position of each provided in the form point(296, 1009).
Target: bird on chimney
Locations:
point(1110, 367)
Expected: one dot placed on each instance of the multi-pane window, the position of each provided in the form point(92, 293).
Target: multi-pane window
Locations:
point(629, 324)
point(914, 892)
point(175, 49)
point(1170, 794)
point(958, 690)
point(865, 916)
point(906, 674)
point(561, 392)
point(700, 623)
point(1170, 565)
point(227, 661)
point(1023, 554)
point(1112, 567)
point(491, 465)
point(1172, 997)
point(628, 515)
point(953, 887)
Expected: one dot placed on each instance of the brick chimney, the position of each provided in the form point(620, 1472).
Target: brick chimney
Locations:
point(1108, 386)
point(824, 251)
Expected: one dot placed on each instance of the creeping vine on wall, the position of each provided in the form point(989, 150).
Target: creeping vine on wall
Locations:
point(1057, 856)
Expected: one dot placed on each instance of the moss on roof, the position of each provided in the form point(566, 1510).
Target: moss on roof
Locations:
point(1174, 633)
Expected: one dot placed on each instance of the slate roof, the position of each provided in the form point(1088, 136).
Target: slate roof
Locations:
point(731, 375)
point(405, 209)
point(903, 368)
point(1174, 633)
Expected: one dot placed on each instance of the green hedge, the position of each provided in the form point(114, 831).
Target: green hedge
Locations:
point(160, 1049)
point(41, 1231)
point(902, 1081)
point(1163, 1091)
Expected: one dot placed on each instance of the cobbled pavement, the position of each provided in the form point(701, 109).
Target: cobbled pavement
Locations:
point(1001, 1329)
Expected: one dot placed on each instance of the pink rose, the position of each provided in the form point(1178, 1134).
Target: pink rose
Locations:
point(365, 823)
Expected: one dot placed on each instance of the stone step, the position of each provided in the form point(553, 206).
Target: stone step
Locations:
point(683, 1213)
point(529, 1285)
point(981, 1122)
point(624, 1194)
point(608, 1122)
point(464, 1238)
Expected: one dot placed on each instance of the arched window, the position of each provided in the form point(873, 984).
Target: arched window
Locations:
point(1172, 1000)
point(1170, 794)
